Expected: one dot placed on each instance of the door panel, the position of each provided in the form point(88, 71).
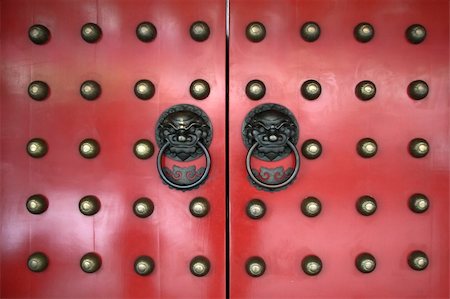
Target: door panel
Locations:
point(117, 119)
point(283, 237)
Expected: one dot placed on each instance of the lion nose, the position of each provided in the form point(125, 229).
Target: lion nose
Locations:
point(273, 138)
point(181, 138)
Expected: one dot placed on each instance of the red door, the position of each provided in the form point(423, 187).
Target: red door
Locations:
point(301, 235)
point(144, 240)
point(143, 157)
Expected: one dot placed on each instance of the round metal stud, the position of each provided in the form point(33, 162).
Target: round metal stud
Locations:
point(90, 90)
point(143, 149)
point(365, 262)
point(199, 31)
point(90, 262)
point(311, 206)
point(144, 89)
point(416, 33)
point(310, 31)
point(37, 262)
point(311, 149)
point(256, 209)
point(199, 89)
point(91, 32)
point(146, 32)
point(418, 90)
point(255, 90)
point(38, 90)
point(255, 32)
point(366, 205)
point(89, 205)
point(365, 90)
point(312, 265)
point(37, 204)
point(311, 89)
point(419, 147)
point(39, 34)
point(144, 265)
point(418, 203)
point(199, 266)
point(199, 207)
point(255, 266)
point(418, 260)
point(367, 147)
point(89, 148)
point(37, 148)
point(143, 207)
point(364, 32)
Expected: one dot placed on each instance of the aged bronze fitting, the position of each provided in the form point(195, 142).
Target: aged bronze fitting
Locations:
point(183, 133)
point(270, 132)
point(39, 34)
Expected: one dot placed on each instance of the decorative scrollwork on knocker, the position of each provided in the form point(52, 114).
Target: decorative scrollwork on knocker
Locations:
point(270, 132)
point(183, 133)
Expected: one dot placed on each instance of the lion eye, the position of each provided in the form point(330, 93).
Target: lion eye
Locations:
point(261, 130)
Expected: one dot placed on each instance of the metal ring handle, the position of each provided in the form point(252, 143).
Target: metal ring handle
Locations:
point(273, 186)
point(183, 187)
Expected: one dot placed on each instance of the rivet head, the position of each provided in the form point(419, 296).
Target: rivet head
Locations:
point(255, 266)
point(418, 203)
point(90, 262)
point(90, 90)
point(365, 262)
point(199, 31)
point(418, 90)
point(367, 148)
point(200, 266)
point(199, 207)
point(366, 205)
point(37, 204)
point(39, 34)
point(310, 31)
point(311, 206)
point(199, 89)
point(255, 90)
point(256, 209)
point(311, 89)
point(144, 265)
point(146, 32)
point(311, 149)
point(418, 260)
point(38, 90)
point(365, 90)
point(89, 148)
point(144, 89)
point(37, 148)
point(312, 265)
point(143, 149)
point(419, 147)
point(255, 32)
point(143, 207)
point(89, 205)
point(37, 262)
point(91, 32)
point(364, 32)
point(416, 33)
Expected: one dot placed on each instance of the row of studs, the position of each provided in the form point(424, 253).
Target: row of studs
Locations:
point(90, 205)
point(143, 89)
point(199, 31)
point(91, 262)
point(365, 205)
point(91, 32)
point(255, 266)
point(311, 149)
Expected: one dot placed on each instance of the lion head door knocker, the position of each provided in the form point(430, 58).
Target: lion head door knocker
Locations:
point(270, 133)
point(183, 134)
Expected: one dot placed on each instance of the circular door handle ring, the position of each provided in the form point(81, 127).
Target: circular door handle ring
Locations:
point(183, 187)
point(273, 186)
